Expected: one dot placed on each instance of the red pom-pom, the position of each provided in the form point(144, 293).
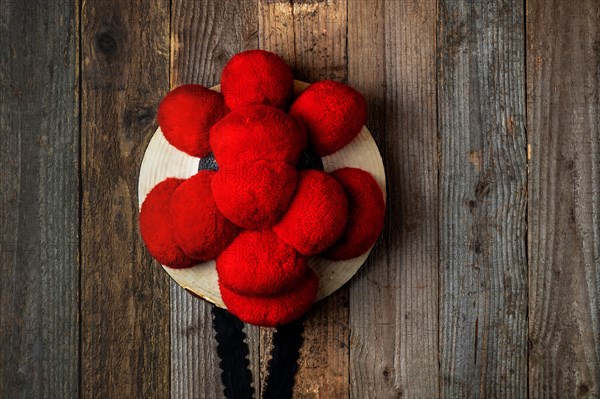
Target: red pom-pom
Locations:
point(257, 77)
point(257, 262)
point(155, 226)
point(366, 211)
point(256, 194)
point(186, 115)
point(257, 132)
point(317, 214)
point(198, 226)
point(272, 311)
point(333, 112)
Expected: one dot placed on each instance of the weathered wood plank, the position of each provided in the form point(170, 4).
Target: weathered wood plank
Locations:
point(125, 295)
point(483, 194)
point(204, 35)
point(39, 199)
point(311, 37)
point(563, 124)
point(394, 299)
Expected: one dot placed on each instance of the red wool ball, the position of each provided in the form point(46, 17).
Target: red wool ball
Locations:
point(257, 132)
point(198, 226)
point(333, 112)
point(317, 214)
point(257, 262)
point(366, 211)
point(256, 194)
point(186, 115)
point(155, 226)
point(257, 77)
point(272, 311)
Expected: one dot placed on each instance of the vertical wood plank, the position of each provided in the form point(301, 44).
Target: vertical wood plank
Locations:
point(125, 295)
point(394, 299)
point(39, 199)
point(311, 37)
point(204, 35)
point(563, 124)
point(483, 194)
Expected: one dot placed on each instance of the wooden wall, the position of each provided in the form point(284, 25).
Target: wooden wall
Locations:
point(485, 282)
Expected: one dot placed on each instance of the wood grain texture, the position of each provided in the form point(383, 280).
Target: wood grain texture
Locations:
point(393, 300)
point(204, 36)
point(39, 199)
point(483, 196)
point(311, 37)
point(563, 113)
point(125, 295)
point(485, 283)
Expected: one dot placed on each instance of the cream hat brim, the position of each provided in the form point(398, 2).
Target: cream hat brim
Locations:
point(162, 160)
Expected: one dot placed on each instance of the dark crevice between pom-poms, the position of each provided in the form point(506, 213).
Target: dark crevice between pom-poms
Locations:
point(208, 163)
point(309, 160)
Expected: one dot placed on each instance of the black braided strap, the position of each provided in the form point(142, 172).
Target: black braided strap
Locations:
point(232, 349)
point(283, 365)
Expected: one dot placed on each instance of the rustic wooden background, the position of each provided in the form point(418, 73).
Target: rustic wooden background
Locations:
point(485, 282)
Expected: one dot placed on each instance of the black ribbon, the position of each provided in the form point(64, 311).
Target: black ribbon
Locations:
point(232, 349)
point(233, 352)
point(283, 365)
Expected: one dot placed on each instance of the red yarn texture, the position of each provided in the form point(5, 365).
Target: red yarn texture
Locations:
point(333, 112)
point(257, 215)
point(198, 226)
point(155, 226)
point(366, 212)
point(257, 132)
point(257, 77)
point(258, 263)
point(317, 214)
point(256, 194)
point(186, 115)
point(272, 311)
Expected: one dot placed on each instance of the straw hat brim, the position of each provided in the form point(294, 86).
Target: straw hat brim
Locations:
point(162, 160)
